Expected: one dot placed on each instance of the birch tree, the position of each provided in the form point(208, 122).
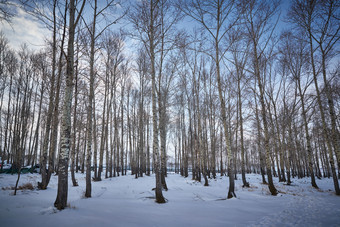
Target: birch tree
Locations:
point(319, 21)
point(61, 200)
point(145, 18)
point(257, 16)
point(98, 14)
point(216, 18)
point(295, 56)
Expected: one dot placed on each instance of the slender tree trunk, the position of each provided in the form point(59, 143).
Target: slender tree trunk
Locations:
point(162, 129)
point(73, 151)
point(309, 146)
point(231, 192)
point(122, 132)
point(324, 126)
point(44, 176)
point(243, 171)
point(155, 146)
point(90, 128)
point(6, 144)
point(61, 200)
point(334, 133)
point(271, 186)
point(104, 126)
point(95, 141)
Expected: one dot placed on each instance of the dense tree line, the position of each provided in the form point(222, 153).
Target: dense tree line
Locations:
point(234, 94)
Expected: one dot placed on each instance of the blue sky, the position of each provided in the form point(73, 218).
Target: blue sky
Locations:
point(24, 29)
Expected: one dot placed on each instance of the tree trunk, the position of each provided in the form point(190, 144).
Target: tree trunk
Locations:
point(243, 171)
point(44, 177)
point(271, 186)
point(61, 200)
point(324, 126)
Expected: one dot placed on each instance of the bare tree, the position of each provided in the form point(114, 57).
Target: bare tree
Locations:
point(216, 18)
point(61, 200)
point(295, 56)
point(6, 11)
point(146, 18)
point(257, 17)
point(44, 177)
point(240, 59)
point(98, 14)
point(319, 22)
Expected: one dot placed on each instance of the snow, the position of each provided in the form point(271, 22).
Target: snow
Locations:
point(126, 201)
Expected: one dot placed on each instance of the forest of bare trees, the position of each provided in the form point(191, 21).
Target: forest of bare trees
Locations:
point(201, 88)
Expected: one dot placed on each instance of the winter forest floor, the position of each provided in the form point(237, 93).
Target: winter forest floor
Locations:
point(125, 201)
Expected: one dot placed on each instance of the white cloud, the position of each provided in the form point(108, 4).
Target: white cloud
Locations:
point(24, 29)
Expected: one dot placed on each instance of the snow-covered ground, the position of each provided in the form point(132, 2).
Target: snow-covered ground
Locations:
point(125, 201)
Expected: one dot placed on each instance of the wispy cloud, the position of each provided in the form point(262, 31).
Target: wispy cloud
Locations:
point(24, 29)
